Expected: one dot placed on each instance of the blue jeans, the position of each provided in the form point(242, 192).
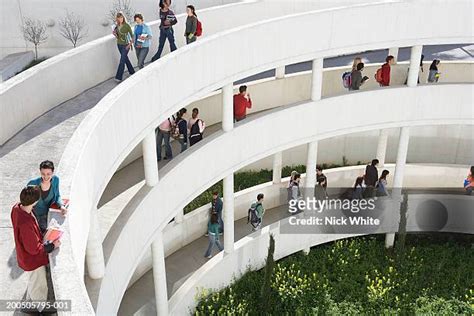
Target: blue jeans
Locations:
point(213, 240)
point(183, 143)
point(165, 33)
point(160, 136)
point(141, 55)
point(123, 61)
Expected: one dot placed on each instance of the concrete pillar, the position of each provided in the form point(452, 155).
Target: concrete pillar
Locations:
point(229, 213)
point(228, 107)
point(280, 72)
point(159, 276)
point(277, 166)
point(150, 163)
point(179, 217)
point(317, 79)
point(94, 252)
point(398, 174)
point(311, 158)
point(413, 72)
point(382, 147)
point(394, 52)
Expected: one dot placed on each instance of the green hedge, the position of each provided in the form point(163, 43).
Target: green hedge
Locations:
point(247, 179)
point(358, 276)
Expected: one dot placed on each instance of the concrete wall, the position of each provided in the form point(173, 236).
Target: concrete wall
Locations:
point(94, 13)
point(194, 225)
point(99, 146)
point(66, 75)
point(434, 144)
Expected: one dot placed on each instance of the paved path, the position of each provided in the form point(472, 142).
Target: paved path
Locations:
point(47, 136)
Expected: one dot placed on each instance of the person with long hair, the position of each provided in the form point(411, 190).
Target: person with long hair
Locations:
point(183, 128)
point(382, 184)
point(124, 35)
point(469, 182)
point(213, 232)
point(433, 75)
point(191, 24)
point(358, 188)
point(168, 19)
point(143, 35)
point(357, 60)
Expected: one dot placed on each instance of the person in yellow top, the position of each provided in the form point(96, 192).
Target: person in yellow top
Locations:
point(124, 35)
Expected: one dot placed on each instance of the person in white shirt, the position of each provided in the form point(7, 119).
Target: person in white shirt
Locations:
point(196, 127)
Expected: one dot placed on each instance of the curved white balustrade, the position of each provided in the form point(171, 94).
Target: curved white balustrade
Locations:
point(66, 75)
point(251, 251)
point(152, 208)
point(194, 224)
point(123, 118)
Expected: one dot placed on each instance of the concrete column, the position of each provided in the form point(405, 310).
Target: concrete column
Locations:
point(398, 174)
point(317, 79)
point(159, 276)
point(382, 147)
point(94, 252)
point(277, 166)
point(228, 107)
point(280, 72)
point(311, 168)
point(179, 217)
point(394, 52)
point(150, 163)
point(229, 213)
point(413, 72)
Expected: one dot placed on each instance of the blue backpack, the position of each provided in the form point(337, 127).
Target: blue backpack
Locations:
point(347, 79)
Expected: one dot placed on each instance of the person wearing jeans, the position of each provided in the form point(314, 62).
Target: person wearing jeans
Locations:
point(183, 129)
point(163, 133)
point(213, 231)
point(123, 33)
point(143, 35)
point(168, 19)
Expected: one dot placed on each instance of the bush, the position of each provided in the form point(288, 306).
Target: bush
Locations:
point(357, 276)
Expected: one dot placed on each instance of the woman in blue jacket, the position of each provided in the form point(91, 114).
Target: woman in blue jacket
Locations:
point(142, 39)
point(49, 188)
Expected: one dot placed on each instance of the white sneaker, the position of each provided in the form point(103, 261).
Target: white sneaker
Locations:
point(209, 257)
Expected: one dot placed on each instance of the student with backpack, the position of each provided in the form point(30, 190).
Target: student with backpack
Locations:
point(213, 232)
point(356, 77)
point(179, 130)
point(216, 208)
point(382, 76)
point(196, 128)
point(193, 25)
point(242, 102)
point(255, 214)
point(347, 76)
point(163, 134)
point(433, 75)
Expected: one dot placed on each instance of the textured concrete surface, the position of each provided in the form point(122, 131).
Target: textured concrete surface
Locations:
point(47, 136)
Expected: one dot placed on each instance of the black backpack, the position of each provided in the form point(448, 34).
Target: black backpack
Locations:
point(252, 217)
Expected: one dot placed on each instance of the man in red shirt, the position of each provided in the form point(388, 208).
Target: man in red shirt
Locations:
point(242, 102)
point(390, 60)
point(31, 252)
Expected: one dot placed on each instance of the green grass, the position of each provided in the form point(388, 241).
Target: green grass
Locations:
point(358, 276)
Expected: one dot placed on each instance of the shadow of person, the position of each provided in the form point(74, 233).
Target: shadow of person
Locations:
point(15, 270)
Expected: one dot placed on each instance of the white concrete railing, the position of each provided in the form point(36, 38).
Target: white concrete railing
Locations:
point(194, 225)
point(152, 208)
point(137, 115)
point(270, 93)
point(62, 77)
point(251, 251)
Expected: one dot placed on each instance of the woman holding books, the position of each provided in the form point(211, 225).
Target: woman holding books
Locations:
point(49, 197)
point(142, 39)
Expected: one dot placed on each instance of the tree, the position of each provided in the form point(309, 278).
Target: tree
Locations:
point(123, 6)
point(72, 28)
point(267, 279)
point(34, 31)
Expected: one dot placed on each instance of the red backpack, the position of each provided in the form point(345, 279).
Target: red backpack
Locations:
point(378, 75)
point(198, 28)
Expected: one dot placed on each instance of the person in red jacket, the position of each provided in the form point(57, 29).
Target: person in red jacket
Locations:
point(390, 60)
point(31, 252)
point(242, 102)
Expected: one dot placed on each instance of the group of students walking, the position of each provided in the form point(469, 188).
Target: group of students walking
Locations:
point(30, 223)
point(354, 79)
point(140, 36)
